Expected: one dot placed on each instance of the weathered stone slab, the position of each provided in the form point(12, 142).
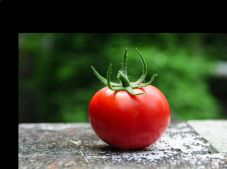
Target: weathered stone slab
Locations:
point(214, 131)
point(75, 145)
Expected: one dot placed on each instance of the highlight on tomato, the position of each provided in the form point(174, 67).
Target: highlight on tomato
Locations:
point(129, 115)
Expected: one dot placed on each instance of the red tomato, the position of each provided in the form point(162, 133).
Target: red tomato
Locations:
point(127, 121)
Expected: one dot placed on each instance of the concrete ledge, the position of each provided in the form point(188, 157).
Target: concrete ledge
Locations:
point(214, 131)
point(76, 146)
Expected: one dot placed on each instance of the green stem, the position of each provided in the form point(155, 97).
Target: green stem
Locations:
point(144, 69)
point(102, 79)
point(122, 75)
point(124, 65)
point(145, 84)
point(129, 89)
point(109, 83)
point(124, 80)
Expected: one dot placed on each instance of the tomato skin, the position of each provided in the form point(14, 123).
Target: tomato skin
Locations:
point(128, 121)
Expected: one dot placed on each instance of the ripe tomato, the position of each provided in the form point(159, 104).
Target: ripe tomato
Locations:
point(129, 115)
point(127, 121)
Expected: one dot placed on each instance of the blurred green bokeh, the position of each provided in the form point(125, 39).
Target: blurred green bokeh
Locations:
point(56, 82)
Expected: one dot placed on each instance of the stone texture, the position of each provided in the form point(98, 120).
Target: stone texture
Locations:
point(214, 131)
point(74, 145)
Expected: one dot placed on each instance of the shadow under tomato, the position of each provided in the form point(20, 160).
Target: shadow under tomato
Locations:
point(108, 148)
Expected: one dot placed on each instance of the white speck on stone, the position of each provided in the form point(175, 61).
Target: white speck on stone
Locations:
point(209, 156)
point(78, 142)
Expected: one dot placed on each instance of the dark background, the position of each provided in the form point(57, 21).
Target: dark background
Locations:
point(56, 82)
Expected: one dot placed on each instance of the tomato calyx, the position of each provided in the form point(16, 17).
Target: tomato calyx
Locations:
point(122, 76)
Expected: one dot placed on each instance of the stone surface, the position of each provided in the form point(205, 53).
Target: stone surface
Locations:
point(214, 131)
point(74, 145)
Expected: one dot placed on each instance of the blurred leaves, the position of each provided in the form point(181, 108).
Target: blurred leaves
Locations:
point(55, 68)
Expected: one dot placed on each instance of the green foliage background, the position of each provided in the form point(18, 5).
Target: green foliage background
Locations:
point(56, 82)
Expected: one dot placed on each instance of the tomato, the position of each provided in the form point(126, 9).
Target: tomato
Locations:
point(131, 116)
point(126, 121)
